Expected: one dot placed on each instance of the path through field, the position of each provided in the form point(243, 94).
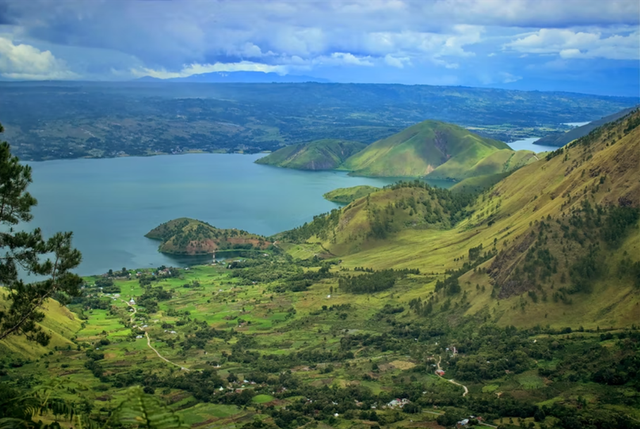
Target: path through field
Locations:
point(466, 391)
point(146, 334)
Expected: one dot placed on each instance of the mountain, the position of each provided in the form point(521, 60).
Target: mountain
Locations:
point(326, 154)
point(184, 236)
point(238, 77)
point(555, 241)
point(421, 149)
point(347, 195)
point(565, 138)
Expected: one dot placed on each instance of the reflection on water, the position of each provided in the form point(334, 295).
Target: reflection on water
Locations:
point(527, 144)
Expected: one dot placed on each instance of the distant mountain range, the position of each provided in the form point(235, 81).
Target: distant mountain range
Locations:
point(237, 77)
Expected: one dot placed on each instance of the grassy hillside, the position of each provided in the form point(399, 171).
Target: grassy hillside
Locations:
point(59, 322)
point(528, 247)
point(193, 237)
point(525, 296)
point(421, 149)
point(347, 195)
point(478, 183)
point(371, 220)
point(324, 154)
point(501, 161)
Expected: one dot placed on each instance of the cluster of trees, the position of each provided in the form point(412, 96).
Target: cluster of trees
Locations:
point(373, 282)
point(151, 296)
point(320, 226)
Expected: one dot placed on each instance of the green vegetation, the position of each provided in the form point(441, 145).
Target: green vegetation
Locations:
point(347, 195)
point(422, 148)
point(497, 163)
point(96, 120)
point(194, 237)
point(29, 252)
point(523, 298)
point(317, 155)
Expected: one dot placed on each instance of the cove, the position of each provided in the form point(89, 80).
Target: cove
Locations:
point(110, 204)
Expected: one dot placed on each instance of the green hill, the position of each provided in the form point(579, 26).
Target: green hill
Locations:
point(565, 138)
point(59, 322)
point(555, 240)
point(193, 237)
point(324, 154)
point(420, 149)
point(501, 161)
point(347, 195)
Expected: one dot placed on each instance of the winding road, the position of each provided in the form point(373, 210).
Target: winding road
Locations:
point(466, 391)
point(146, 334)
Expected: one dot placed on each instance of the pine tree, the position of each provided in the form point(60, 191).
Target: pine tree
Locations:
point(29, 253)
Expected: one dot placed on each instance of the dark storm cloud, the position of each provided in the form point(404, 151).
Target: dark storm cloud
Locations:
point(6, 18)
point(437, 41)
point(172, 33)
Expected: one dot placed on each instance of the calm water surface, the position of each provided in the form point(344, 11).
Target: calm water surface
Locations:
point(110, 204)
point(527, 144)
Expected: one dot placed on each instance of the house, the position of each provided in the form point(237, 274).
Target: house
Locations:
point(439, 372)
point(464, 422)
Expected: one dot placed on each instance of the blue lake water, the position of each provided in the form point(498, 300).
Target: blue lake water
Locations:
point(110, 204)
point(527, 144)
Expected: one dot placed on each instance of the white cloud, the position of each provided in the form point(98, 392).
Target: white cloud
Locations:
point(344, 58)
point(192, 69)
point(509, 78)
point(578, 44)
point(398, 62)
point(25, 62)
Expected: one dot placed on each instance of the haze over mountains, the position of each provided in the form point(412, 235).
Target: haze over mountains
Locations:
point(237, 77)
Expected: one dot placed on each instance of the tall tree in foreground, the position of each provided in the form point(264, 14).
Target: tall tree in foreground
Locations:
point(29, 253)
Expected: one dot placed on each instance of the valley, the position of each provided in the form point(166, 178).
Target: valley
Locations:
point(524, 292)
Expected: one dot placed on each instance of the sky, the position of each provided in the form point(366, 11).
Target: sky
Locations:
point(590, 46)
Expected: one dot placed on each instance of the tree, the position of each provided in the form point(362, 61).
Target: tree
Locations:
point(23, 252)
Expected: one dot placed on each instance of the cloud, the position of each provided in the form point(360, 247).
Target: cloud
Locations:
point(398, 62)
point(509, 78)
point(25, 62)
point(172, 33)
point(343, 58)
point(409, 41)
point(578, 44)
point(191, 69)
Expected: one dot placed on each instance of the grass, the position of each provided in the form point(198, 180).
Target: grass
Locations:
point(347, 195)
point(422, 148)
point(326, 154)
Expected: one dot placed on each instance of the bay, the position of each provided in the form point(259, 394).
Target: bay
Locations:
point(527, 144)
point(110, 204)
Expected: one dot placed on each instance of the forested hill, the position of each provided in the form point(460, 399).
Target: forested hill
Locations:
point(380, 214)
point(557, 239)
point(193, 237)
point(326, 154)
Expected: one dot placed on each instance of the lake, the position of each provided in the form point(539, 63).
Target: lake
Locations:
point(527, 144)
point(110, 204)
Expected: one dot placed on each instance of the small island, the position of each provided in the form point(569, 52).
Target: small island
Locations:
point(185, 236)
point(347, 195)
